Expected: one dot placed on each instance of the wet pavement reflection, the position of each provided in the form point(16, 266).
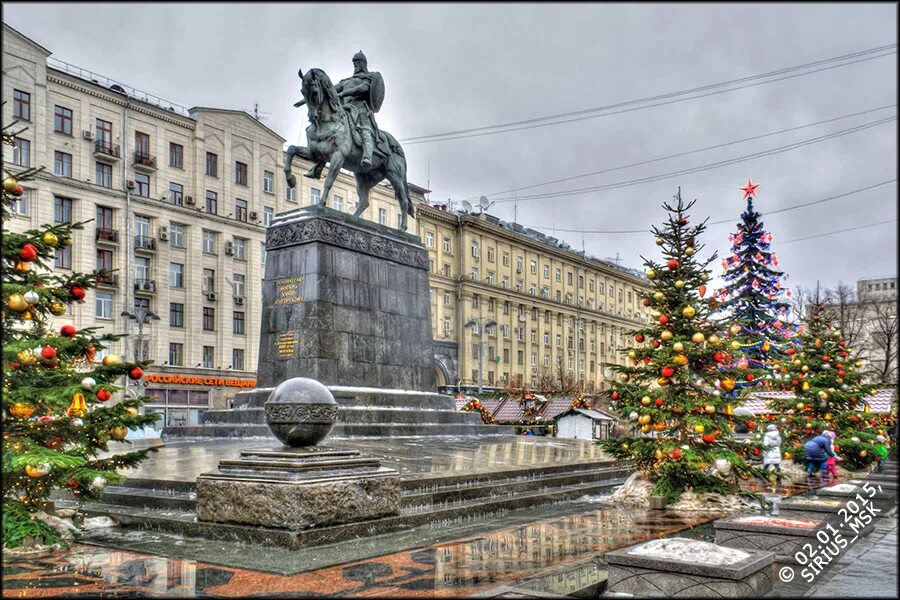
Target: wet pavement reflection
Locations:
point(554, 553)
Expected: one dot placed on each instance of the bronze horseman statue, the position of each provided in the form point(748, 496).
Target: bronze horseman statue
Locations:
point(342, 131)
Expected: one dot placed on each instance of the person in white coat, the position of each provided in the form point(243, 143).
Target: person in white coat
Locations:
point(772, 446)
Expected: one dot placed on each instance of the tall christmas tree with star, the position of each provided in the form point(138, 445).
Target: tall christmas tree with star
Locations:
point(751, 303)
point(57, 411)
point(828, 393)
point(672, 390)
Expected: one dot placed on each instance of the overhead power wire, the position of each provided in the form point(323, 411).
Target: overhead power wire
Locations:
point(706, 167)
point(729, 220)
point(686, 153)
point(827, 233)
point(867, 55)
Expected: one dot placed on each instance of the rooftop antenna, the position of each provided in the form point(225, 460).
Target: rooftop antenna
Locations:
point(428, 177)
point(484, 204)
point(259, 116)
point(467, 206)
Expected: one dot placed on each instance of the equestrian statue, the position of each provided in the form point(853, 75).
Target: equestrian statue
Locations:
point(342, 132)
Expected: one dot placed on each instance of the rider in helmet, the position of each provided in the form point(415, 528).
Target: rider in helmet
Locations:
point(355, 92)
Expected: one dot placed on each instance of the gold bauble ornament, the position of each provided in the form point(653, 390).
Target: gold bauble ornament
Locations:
point(644, 419)
point(645, 428)
point(26, 357)
point(698, 338)
point(26, 316)
point(788, 456)
point(645, 401)
point(858, 363)
point(20, 410)
point(837, 333)
point(111, 360)
point(50, 239)
point(632, 354)
point(805, 386)
point(679, 284)
point(16, 302)
point(132, 411)
point(659, 241)
point(57, 308)
point(118, 433)
point(689, 250)
point(728, 384)
point(665, 335)
point(735, 345)
point(659, 427)
point(709, 408)
point(800, 406)
point(678, 347)
point(662, 381)
point(22, 267)
point(659, 454)
point(823, 395)
point(714, 340)
point(654, 314)
point(735, 329)
point(699, 428)
point(651, 274)
point(805, 368)
point(38, 471)
point(10, 185)
point(688, 312)
point(863, 453)
point(680, 359)
point(659, 296)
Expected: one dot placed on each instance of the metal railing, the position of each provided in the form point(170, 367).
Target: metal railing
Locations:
point(144, 242)
point(103, 147)
point(107, 235)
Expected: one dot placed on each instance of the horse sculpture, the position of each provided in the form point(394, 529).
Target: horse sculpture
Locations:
point(331, 139)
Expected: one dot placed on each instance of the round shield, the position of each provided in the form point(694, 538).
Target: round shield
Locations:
point(376, 91)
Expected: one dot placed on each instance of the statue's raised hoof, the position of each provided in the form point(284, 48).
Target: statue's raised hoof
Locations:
point(292, 181)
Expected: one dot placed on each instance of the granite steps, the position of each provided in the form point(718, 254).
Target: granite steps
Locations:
point(147, 505)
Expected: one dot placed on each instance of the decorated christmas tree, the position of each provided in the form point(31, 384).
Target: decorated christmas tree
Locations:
point(751, 305)
point(57, 410)
point(672, 391)
point(827, 393)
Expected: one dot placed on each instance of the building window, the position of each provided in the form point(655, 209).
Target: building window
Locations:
point(475, 249)
point(62, 164)
point(474, 273)
point(240, 249)
point(176, 235)
point(209, 241)
point(103, 135)
point(176, 314)
point(506, 259)
point(240, 173)
point(104, 260)
point(269, 182)
point(240, 209)
point(176, 155)
point(429, 239)
point(237, 285)
point(62, 120)
point(142, 230)
point(445, 270)
point(490, 253)
point(448, 299)
point(212, 165)
point(268, 215)
point(176, 275)
point(104, 305)
point(19, 205)
point(212, 203)
point(62, 210)
point(103, 175)
point(237, 359)
point(290, 194)
point(209, 318)
point(338, 202)
point(262, 253)
point(141, 269)
point(474, 300)
point(533, 265)
point(519, 263)
point(237, 322)
point(105, 218)
point(382, 216)
point(141, 145)
point(176, 354)
point(209, 353)
point(21, 105)
point(142, 185)
point(315, 194)
point(447, 246)
point(208, 283)
point(21, 152)
point(176, 194)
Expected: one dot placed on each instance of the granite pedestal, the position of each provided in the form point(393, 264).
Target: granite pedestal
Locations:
point(298, 488)
point(686, 577)
point(884, 497)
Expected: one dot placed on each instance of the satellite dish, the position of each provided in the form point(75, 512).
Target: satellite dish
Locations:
point(467, 206)
point(483, 202)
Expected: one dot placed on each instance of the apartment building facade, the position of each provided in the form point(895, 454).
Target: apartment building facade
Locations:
point(560, 315)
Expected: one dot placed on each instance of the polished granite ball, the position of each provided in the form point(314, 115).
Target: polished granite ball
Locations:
point(301, 412)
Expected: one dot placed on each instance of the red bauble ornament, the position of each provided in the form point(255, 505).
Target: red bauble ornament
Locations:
point(718, 357)
point(78, 293)
point(826, 358)
point(844, 353)
point(751, 425)
point(795, 382)
point(756, 452)
point(645, 302)
point(672, 264)
point(676, 453)
point(841, 373)
point(655, 343)
point(614, 395)
point(709, 438)
point(68, 331)
point(103, 395)
point(790, 351)
point(72, 484)
point(136, 373)
point(48, 352)
point(28, 252)
point(663, 319)
point(842, 343)
point(19, 190)
point(667, 371)
point(749, 376)
point(659, 401)
point(682, 221)
point(639, 338)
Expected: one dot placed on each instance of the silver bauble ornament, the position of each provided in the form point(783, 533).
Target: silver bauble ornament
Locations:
point(76, 422)
point(88, 383)
point(97, 484)
point(31, 297)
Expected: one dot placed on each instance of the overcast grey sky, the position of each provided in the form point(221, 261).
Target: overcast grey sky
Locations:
point(452, 67)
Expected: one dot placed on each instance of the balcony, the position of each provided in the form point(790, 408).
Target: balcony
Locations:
point(144, 162)
point(147, 286)
point(107, 236)
point(110, 281)
point(106, 151)
point(145, 242)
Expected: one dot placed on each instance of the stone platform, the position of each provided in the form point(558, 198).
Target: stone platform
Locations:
point(362, 412)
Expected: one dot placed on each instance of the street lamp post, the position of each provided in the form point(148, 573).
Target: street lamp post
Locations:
point(141, 315)
point(479, 325)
